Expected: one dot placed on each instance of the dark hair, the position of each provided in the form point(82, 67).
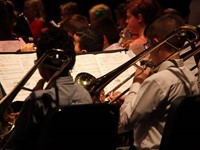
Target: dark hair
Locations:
point(68, 9)
point(120, 10)
point(7, 19)
point(90, 39)
point(74, 23)
point(108, 28)
point(56, 38)
point(162, 26)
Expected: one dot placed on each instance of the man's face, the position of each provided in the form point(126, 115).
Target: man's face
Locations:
point(155, 52)
point(133, 23)
point(77, 44)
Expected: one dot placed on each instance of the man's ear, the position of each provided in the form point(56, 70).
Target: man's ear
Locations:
point(140, 18)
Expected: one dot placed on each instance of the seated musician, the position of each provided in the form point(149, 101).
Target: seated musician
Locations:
point(9, 40)
point(88, 40)
point(145, 107)
point(62, 91)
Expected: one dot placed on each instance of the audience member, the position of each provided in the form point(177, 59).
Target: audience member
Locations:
point(110, 31)
point(99, 11)
point(139, 14)
point(61, 91)
point(146, 106)
point(88, 40)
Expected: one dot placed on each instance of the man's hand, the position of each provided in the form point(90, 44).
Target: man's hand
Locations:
point(141, 75)
point(39, 85)
point(29, 47)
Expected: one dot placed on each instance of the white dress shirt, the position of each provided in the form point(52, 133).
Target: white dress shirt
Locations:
point(145, 108)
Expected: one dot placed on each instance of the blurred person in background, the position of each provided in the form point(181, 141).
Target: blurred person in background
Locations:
point(35, 12)
point(67, 10)
point(139, 14)
point(99, 11)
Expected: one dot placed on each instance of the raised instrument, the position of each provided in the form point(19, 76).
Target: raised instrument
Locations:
point(7, 121)
point(95, 86)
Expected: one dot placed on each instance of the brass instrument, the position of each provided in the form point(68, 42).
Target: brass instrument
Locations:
point(7, 121)
point(95, 86)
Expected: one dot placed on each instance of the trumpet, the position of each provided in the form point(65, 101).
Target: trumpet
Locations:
point(6, 121)
point(95, 86)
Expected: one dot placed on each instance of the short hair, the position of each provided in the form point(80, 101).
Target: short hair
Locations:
point(74, 23)
point(90, 39)
point(162, 26)
point(56, 38)
point(120, 10)
point(147, 8)
point(99, 11)
point(108, 28)
point(68, 9)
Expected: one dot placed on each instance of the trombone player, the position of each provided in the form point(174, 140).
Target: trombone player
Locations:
point(61, 91)
point(150, 95)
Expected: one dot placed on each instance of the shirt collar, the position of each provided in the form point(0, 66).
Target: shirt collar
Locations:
point(167, 64)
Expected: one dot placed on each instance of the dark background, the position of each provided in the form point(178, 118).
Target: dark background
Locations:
point(52, 6)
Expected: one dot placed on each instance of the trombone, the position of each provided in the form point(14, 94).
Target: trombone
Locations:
point(56, 55)
point(95, 86)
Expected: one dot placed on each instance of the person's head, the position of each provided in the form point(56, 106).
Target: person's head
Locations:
point(88, 40)
point(7, 19)
point(34, 9)
point(158, 30)
point(99, 11)
point(54, 38)
point(140, 13)
point(74, 23)
point(120, 14)
point(68, 9)
point(109, 29)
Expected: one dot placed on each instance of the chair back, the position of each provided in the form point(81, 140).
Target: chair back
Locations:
point(182, 128)
point(78, 127)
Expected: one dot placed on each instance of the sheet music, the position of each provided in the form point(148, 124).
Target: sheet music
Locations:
point(109, 62)
point(86, 63)
point(13, 68)
point(102, 63)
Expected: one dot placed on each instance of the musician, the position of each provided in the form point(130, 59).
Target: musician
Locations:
point(145, 107)
point(34, 11)
point(62, 91)
point(110, 32)
point(9, 40)
point(139, 14)
point(88, 40)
